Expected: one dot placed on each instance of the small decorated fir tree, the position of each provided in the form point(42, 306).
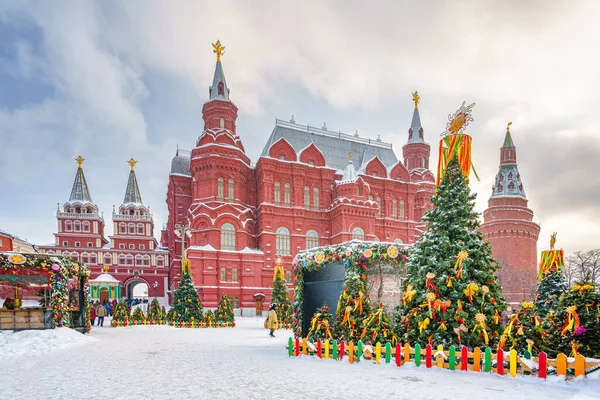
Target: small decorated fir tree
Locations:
point(548, 293)
point(321, 325)
point(121, 312)
point(138, 316)
point(224, 312)
point(353, 308)
point(576, 322)
point(186, 302)
point(452, 295)
point(208, 317)
point(524, 331)
point(281, 298)
point(155, 311)
point(377, 328)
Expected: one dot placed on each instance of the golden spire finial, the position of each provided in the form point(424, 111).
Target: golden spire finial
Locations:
point(79, 160)
point(350, 155)
point(508, 127)
point(131, 163)
point(416, 99)
point(218, 49)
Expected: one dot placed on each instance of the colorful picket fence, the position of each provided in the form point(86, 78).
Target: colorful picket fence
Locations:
point(501, 363)
point(200, 324)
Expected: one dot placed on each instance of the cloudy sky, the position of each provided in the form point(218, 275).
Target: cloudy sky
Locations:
point(112, 80)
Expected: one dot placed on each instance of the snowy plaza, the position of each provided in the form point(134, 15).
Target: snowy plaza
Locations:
point(162, 362)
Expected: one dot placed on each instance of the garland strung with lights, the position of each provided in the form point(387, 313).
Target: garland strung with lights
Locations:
point(356, 255)
point(59, 270)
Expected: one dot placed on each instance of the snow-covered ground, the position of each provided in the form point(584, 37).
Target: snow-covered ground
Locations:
point(159, 362)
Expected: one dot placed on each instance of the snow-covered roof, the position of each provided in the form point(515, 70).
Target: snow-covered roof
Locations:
point(105, 278)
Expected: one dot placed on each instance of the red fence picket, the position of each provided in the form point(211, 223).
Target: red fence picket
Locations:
point(500, 362)
point(398, 354)
point(428, 356)
point(542, 365)
point(464, 359)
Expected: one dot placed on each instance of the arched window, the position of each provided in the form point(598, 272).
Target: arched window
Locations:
point(230, 190)
point(378, 207)
point(221, 123)
point(221, 189)
point(288, 195)
point(277, 193)
point(140, 229)
point(86, 226)
point(93, 259)
point(107, 259)
point(316, 201)
point(121, 245)
point(282, 242)
point(131, 228)
point(75, 256)
point(223, 274)
point(77, 226)
point(236, 302)
point(288, 276)
point(138, 261)
point(227, 236)
point(234, 274)
point(394, 208)
point(85, 258)
point(146, 261)
point(68, 226)
point(160, 261)
point(221, 89)
point(129, 259)
point(122, 228)
point(398, 241)
point(358, 233)
point(376, 239)
point(306, 197)
point(401, 210)
point(312, 239)
point(122, 259)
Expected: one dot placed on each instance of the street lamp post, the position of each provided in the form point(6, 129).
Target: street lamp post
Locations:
point(155, 287)
point(182, 231)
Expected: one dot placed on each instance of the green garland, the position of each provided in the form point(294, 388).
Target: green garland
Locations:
point(59, 270)
point(356, 255)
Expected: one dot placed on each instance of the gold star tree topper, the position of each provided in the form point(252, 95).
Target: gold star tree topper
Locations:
point(218, 49)
point(131, 163)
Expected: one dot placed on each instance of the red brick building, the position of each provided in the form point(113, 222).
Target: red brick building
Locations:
point(508, 227)
point(310, 187)
point(132, 253)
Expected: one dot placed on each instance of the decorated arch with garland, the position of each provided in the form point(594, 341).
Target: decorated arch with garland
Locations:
point(65, 280)
point(357, 258)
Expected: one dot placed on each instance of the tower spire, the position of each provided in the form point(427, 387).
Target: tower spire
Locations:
point(415, 133)
point(508, 180)
point(80, 191)
point(132, 193)
point(218, 90)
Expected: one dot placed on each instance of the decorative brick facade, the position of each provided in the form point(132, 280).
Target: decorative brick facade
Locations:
point(508, 227)
point(310, 187)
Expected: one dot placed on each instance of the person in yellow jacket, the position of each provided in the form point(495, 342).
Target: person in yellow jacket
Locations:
point(271, 323)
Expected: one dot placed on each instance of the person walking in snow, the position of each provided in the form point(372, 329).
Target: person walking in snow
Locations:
point(92, 313)
point(101, 313)
point(271, 322)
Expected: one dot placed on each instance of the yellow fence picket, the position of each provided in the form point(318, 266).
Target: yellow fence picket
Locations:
point(327, 348)
point(304, 346)
point(440, 358)
point(406, 352)
point(513, 363)
point(378, 353)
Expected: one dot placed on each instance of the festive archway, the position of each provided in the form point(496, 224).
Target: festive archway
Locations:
point(356, 256)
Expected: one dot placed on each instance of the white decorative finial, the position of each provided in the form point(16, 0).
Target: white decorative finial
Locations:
point(292, 120)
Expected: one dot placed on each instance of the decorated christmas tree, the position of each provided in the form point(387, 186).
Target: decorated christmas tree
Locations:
point(281, 298)
point(353, 308)
point(208, 317)
point(186, 303)
point(452, 295)
point(548, 293)
point(121, 312)
point(155, 312)
point(524, 331)
point(377, 328)
point(224, 312)
point(321, 325)
point(138, 316)
point(575, 325)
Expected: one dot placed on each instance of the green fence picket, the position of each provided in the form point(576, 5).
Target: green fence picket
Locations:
point(290, 347)
point(335, 350)
point(488, 360)
point(388, 353)
point(527, 356)
point(359, 351)
point(452, 358)
point(417, 354)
